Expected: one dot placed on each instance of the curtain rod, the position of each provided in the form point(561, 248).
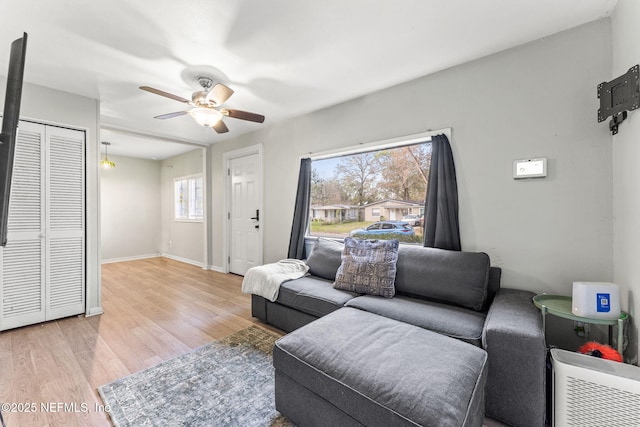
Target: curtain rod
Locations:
point(377, 145)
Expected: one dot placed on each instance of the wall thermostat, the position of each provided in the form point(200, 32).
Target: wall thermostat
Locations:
point(530, 168)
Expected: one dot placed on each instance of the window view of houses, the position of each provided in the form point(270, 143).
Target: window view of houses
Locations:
point(377, 195)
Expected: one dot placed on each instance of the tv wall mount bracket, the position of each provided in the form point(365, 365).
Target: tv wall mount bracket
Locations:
point(619, 96)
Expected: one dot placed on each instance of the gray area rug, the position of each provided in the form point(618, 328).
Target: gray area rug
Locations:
point(224, 383)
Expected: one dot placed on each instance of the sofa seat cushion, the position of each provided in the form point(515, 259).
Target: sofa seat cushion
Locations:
point(452, 321)
point(313, 295)
point(382, 372)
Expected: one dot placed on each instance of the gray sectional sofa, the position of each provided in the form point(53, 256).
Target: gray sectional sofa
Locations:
point(455, 295)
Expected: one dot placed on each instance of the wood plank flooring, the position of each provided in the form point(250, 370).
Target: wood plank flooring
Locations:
point(154, 309)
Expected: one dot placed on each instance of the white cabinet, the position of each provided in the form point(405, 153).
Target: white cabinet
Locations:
point(42, 268)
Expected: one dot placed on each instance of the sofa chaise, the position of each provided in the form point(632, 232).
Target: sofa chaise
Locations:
point(454, 297)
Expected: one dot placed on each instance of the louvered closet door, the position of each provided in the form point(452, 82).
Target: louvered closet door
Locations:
point(42, 272)
point(65, 202)
point(22, 269)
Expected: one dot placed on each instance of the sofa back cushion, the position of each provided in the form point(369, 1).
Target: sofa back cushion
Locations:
point(325, 258)
point(459, 278)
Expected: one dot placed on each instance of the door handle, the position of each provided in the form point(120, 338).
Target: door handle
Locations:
point(257, 217)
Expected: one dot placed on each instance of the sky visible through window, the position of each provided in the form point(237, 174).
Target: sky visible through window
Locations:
point(326, 167)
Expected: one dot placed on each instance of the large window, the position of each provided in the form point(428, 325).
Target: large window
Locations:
point(188, 196)
point(376, 194)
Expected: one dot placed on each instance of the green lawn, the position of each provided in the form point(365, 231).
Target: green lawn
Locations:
point(344, 228)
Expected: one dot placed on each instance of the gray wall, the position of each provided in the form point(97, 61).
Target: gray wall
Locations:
point(537, 100)
point(187, 238)
point(626, 174)
point(137, 202)
point(130, 208)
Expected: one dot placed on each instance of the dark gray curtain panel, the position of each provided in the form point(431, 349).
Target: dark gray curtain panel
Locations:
point(301, 211)
point(441, 227)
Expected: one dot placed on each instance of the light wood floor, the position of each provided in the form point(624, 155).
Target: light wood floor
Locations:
point(154, 310)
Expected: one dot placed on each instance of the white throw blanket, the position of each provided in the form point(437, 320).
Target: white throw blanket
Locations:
point(265, 280)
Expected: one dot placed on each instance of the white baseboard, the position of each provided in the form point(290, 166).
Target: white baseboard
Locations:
point(185, 260)
point(215, 268)
point(165, 255)
point(131, 258)
point(94, 311)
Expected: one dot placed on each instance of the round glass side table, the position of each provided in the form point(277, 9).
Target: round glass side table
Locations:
point(560, 306)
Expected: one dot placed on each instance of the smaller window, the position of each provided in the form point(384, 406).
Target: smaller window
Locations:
point(375, 211)
point(189, 198)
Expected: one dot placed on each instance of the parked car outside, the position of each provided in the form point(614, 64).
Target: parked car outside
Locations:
point(385, 227)
point(415, 220)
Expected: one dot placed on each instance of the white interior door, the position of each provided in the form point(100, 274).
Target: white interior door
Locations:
point(245, 218)
point(65, 201)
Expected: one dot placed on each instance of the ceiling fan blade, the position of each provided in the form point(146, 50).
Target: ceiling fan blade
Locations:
point(219, 94)
point(243, 115)
point(171, 115)
point(220, 127)
point(165, 94)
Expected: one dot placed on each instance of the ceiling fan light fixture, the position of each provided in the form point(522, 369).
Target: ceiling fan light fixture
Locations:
point(205, 103)
point(206, 116)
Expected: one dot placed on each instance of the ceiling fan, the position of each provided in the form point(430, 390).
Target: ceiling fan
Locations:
point(205, 105)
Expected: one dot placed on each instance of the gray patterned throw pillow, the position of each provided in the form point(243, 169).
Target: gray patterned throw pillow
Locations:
point(368, 267)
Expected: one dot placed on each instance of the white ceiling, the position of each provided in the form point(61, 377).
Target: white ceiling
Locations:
point(283, 58)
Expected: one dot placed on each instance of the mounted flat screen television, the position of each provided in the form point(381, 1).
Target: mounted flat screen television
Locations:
point(9, 133)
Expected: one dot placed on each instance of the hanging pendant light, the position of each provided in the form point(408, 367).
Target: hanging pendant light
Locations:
point(106, 163)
